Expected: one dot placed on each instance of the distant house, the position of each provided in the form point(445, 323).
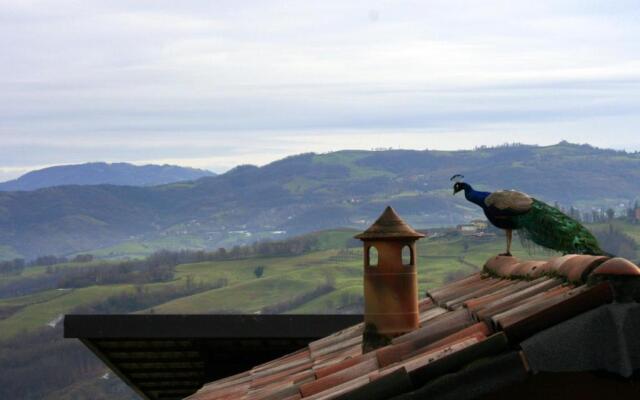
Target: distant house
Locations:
point(475, 227)
point(467, 229)
point(481, 224)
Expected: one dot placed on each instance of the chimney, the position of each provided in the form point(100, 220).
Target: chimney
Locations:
point(390, 280)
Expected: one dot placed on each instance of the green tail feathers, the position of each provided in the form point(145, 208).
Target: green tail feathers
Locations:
point(549, 227)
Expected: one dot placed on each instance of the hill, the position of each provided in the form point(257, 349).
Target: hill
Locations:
point(305, 193)
point(103, 173)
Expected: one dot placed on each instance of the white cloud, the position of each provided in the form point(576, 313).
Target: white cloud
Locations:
point(223, 83)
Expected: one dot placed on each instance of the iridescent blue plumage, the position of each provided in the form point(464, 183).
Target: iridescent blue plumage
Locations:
point(542, 224)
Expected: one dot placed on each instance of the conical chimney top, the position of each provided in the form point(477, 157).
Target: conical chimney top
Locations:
point(389, 226)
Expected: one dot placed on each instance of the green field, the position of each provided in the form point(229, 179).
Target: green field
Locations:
point(336, 260)
point(283, 279)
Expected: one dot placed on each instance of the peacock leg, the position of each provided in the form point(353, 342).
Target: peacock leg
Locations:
point(509, 236)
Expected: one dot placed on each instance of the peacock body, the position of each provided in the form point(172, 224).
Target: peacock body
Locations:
point(536, 221)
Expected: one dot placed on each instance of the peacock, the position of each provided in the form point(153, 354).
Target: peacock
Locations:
point(537, 221)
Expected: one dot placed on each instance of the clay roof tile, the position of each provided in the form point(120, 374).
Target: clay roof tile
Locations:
point(617, 266)
point(447, 338)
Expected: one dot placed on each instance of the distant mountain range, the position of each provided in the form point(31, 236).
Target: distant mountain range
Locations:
point(306, 193)
point(103, 173)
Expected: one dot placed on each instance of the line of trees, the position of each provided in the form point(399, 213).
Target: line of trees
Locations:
point(17, 265)
point(158, 267)
point(594, 216)
point(137, 272)
point(601, 215)
point(12, 267)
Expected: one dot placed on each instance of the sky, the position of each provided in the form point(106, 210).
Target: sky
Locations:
point(214, 84)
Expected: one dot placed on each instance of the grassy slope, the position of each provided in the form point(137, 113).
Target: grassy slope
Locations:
point(284, 278)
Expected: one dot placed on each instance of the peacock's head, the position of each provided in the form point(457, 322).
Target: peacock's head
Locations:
point(458, 186)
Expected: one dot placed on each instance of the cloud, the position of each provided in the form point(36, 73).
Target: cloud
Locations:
point(227, 83)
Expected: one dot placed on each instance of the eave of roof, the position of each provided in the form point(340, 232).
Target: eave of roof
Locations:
point(172, 356)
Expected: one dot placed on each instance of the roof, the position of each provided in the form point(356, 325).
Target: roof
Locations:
point(389, 226)
point(172, 356)
point(469, 337)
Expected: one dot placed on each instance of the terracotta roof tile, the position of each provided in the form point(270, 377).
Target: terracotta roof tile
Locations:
point(281, 389)
point(457, 322)
point(438, 327)
point(573, 267)
point(426, 304)
point(501, 265)
point(577, 269)
point(336, 347)
point(490, 287)
point(381, 373)
point(443, 344)
point(554, 264)
point(531, 306)
point(422, 338)
point(276, 393)
point(528, 269)
point(555, 312)
point(509, 301)
point(526, 303)
point(335, 391)
point(363, 368)
point(345, 363)
point(479, 328)
point(441, 297)
point(434, 293)
point(431, 313)
point(331, 358)
point(422, 359)
point(264, 379)
point(390, 355)
point(617, 266)
point(479, 302)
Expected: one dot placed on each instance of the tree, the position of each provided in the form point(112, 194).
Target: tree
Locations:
point(259, 271)
point(610, 213)
point(83, 258)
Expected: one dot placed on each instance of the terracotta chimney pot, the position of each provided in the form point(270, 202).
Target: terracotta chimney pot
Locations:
point(390, 283)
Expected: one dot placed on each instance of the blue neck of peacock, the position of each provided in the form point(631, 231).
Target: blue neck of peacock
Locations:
point(475, 196)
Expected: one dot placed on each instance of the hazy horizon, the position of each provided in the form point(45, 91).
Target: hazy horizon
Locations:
point(13, 172)
point(215, 85)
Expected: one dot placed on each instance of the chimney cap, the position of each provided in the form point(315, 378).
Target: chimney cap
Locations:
point(389, 226)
